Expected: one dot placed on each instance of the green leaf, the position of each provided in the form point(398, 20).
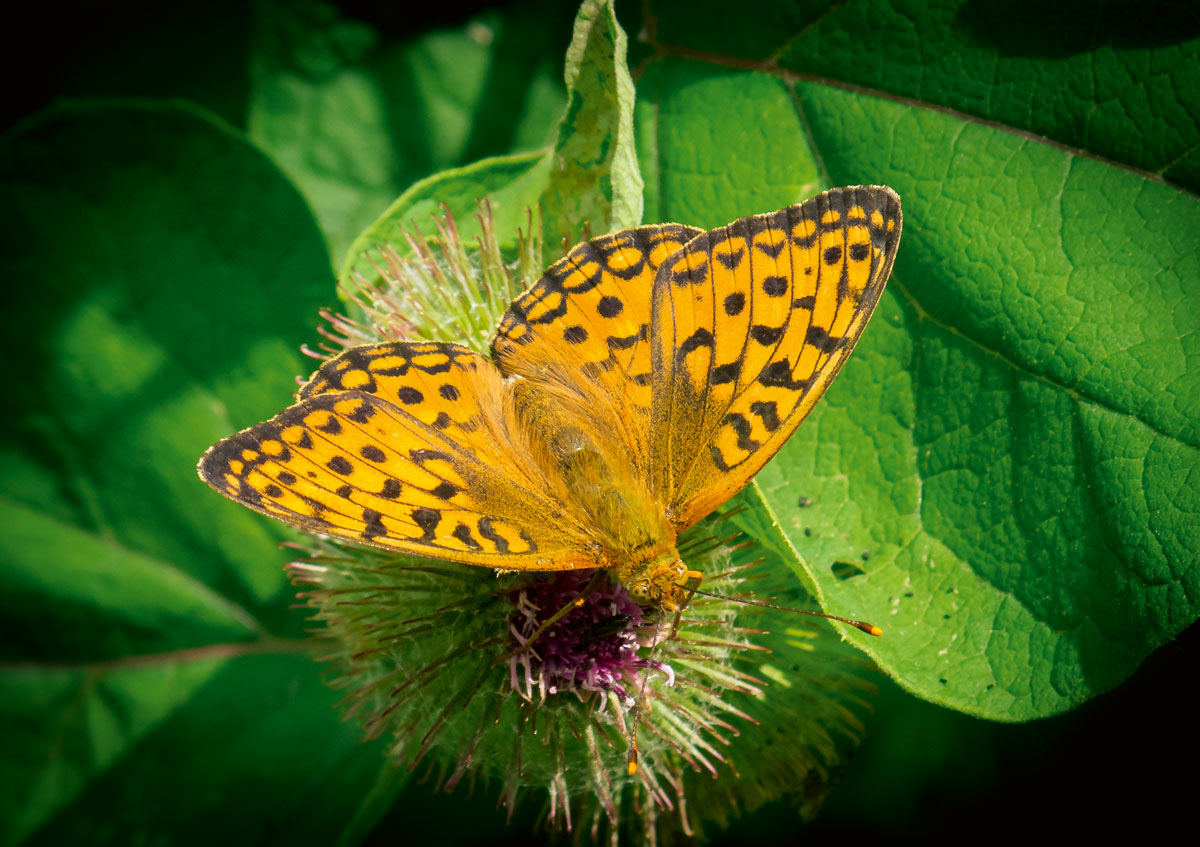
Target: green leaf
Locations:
point(354, 114)
point(594, 179)
point(1003, 476)
point(1115, 79)
point(146, 620)
point(510, 184)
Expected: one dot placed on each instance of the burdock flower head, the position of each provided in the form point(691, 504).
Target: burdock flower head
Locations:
point(540, 684)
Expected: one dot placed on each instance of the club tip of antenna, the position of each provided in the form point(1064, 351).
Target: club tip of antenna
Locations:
point(868, 628)
point(631, 763)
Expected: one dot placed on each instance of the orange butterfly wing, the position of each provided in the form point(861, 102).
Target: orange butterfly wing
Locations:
point(750, 324)
point(585, 326)
point(401, 446)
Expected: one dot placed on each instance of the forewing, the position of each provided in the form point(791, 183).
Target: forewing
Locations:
point(585, 325)
point(399, 446)
point(751, 322)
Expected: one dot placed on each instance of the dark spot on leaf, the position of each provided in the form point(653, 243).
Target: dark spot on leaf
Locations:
point(846, 570)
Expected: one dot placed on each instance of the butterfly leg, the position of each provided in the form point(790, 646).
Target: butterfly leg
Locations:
point(598, 579)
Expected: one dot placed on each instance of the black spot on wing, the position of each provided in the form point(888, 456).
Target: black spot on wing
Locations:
point(700, 338)
point(779, 375)
point(391, 489)
point(822, 340)
point(768, 249)
point(486, 530)
point(725, 373)
point(427, 520)
point(374, 522)
point(719, 460)
point(741, 426)
point(730, 260)
point(445, 490)
point(766, 335)
point(409, 395)
point(332, 427)
point(768, 413)
point(609, 307)
point(463, 533)
point(690, 274)
point(775, 286)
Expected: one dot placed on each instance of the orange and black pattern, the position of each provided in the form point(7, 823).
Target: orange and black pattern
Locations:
point(393, 446)
point(751, 322)
point(589, 315)
point(642, 381)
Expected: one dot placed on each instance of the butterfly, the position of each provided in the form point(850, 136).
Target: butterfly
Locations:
point(637, 386)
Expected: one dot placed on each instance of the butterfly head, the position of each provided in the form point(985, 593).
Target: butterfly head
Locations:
point(660, 580)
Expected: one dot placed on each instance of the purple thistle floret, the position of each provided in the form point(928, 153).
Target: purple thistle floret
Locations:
point(594, 648)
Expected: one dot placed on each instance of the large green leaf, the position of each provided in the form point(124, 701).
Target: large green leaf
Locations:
point(1115, 78)
point(147, 250)
point(1009, 460)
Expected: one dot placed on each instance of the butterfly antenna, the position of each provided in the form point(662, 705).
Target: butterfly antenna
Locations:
point(868, 628)
point(631, 760)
